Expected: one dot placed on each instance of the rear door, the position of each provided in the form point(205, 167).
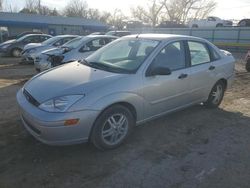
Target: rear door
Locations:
point(202, 70)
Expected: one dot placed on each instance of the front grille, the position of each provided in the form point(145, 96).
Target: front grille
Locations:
point(31, 99)
point(31, 126)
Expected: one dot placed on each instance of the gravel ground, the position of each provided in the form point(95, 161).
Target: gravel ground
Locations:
point(196, 147)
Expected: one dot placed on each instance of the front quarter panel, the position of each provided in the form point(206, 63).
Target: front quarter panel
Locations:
point(125, 88)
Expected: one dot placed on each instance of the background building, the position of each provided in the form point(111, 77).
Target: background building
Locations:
point(17, 23)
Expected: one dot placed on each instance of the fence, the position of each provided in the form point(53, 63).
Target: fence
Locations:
point(232, 38)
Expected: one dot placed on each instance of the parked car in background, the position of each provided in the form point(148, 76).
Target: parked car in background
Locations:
point(130, 81)
point(210, 22)
point(244, 23)
point(15, 47)
point(98, 33)
point(27, 33)
point(118, 33)
point(247, 58)
point(32, 50)
point(76, 49)
point(171, 24)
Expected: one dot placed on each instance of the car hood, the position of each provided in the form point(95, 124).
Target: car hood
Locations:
point(32, 45)
point(53, 51)
point(70, 79)
point(8, 42)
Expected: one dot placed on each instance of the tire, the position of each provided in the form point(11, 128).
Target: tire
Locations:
point(16, 52)
point(248, 66)
point(107, 132)
point(219, 25)
point(216, 95)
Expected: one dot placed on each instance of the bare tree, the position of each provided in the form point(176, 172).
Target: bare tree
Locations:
point(31, 6)
point(94, 14)
point(35, 7)
point(105, 17)
point(1, 5)
point(179, 11)
point(183, 10)
point(76, 8)
point(151, 14)
point(116, 19)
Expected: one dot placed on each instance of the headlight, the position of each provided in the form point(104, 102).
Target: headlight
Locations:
point(5, 46)
point(60, 104)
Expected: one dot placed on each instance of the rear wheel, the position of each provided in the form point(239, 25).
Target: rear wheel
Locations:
point(216, 95)
point(112, 127)
point(248, 66)
point(16, 52)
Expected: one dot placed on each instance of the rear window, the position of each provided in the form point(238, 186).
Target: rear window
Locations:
point(199, 53)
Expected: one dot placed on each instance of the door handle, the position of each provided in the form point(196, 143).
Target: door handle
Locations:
point(182, 76)
point(211, 68)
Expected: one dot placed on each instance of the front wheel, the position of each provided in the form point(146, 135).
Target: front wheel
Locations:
point(16, 52)
point(112, 127)
point(216, 95)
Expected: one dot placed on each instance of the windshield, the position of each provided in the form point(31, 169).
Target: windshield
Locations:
point(21, 38)
point(74, 43)
point(51, 40)
point(124, 55)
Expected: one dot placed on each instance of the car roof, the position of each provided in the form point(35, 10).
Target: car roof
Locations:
point(64, 36)
point(162, 37)
point(101, 36)
point(37, 35)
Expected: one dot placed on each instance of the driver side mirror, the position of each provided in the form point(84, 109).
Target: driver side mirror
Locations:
point(159, 70)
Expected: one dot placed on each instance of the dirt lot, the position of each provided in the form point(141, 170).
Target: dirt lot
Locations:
point(196, 147)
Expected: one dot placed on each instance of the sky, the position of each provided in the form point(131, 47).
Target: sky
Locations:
point(226, 9)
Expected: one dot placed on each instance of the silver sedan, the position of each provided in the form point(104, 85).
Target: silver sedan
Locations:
point(128, 82)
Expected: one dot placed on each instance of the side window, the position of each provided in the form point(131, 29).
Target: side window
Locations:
point(95, 44)
point(172, 57)
point(199, 53)
point(108, 40)
point(33, 39)
point(211, 19)
point(214, 54)
point(67, 40)
point(43, 38)
point(58, 43)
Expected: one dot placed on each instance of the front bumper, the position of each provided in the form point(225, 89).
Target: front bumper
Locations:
point(49, 127)
point(26, 58)
point(42, 64)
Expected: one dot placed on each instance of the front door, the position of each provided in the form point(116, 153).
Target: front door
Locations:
point(164, 93)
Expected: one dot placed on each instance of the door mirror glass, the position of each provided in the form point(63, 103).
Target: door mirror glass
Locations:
point(159, 71)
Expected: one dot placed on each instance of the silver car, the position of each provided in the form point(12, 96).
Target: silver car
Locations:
point(76, 49)
point(32, 50)
point(128, 82)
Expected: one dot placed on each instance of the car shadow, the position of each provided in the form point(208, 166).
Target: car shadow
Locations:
point(171, 137)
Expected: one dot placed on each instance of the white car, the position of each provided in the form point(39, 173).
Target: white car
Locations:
point(210, 22)
point(76, 49)
point(32, 50)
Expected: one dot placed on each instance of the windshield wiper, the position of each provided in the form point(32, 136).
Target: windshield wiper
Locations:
point(104, 67)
